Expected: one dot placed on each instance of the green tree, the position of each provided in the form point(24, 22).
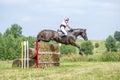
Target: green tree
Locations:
point(10, 46)
point(14, 30)
point(7, 32)
point(67, 49)
point(110, 44)
point(87, 47)
point(117, 35)
point(1, 47)
point(96, 45)
point(118, 46)
point(31, 41)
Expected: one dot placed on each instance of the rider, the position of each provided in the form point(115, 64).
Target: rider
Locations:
point(63, 26)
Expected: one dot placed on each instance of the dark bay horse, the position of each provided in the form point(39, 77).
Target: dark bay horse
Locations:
point(47, 35)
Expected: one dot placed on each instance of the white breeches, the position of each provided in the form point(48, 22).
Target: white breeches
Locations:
point(63, 30)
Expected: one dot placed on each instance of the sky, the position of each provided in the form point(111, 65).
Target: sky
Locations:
point(101, 18)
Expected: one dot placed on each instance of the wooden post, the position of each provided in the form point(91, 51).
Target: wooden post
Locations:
point(22, 54)
point(25, 54)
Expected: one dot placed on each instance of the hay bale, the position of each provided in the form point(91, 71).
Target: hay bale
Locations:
point(47, 60)
point(17, 63)
point(32, 53)
point(47, 47)
point(32, 59)
point(32, 63)
point(49, 55)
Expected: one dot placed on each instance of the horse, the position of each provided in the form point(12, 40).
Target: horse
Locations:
point(48, 35)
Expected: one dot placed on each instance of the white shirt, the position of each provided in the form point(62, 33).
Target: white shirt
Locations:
point(64, 22)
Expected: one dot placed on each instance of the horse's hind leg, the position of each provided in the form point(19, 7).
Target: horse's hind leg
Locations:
point(76, 45)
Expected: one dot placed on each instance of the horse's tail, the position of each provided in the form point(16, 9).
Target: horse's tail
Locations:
point(40, 35)
point(39, 38)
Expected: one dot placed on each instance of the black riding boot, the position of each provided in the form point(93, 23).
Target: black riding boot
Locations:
point(62, 36)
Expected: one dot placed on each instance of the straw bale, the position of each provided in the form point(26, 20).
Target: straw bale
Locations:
point(46, 60)
point(48, 54)
point(47, 47)
point(18, 63)
point(32, 53)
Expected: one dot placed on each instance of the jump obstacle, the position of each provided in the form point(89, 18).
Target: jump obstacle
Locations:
point(47, 54)
point(25, 54)
point(44, 55)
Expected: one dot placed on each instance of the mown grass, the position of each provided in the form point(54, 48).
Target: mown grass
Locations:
point(72, 67)
point(66, 71)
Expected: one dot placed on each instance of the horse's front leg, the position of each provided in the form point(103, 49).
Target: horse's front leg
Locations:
point(78, 46)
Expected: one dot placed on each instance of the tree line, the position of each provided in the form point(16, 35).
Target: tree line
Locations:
point(10, 43)
point(112, 43)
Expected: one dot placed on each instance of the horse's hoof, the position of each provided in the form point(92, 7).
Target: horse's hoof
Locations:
point(81, 53)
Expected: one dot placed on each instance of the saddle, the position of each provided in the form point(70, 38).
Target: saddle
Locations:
point(61, 34)
point(60, 31)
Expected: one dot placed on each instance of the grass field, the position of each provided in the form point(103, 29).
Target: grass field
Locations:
point(72, 67)
point(66, 71)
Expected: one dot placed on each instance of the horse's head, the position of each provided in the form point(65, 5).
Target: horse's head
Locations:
point(84, 34)
point(81, 32)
